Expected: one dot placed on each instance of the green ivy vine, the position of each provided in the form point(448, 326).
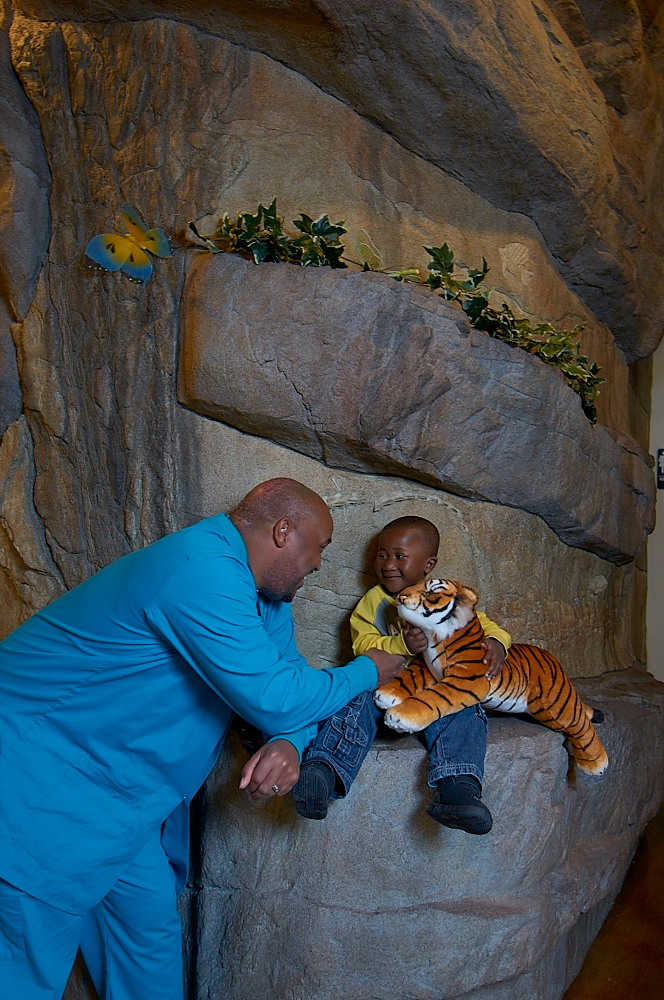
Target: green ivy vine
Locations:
point(261, 237)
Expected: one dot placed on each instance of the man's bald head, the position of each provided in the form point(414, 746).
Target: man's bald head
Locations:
point(274, 499)
point(285, 527)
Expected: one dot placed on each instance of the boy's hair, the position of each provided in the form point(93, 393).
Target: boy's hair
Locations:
point(411, 522)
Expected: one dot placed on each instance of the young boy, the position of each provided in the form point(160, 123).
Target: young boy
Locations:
point(407, 553)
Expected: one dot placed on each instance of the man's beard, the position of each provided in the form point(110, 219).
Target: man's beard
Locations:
point(282, 580)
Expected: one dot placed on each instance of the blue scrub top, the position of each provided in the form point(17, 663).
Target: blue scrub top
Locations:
point(114, 701)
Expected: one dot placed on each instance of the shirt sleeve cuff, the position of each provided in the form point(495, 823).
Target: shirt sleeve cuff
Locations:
point(300, 740)
point(362, 675)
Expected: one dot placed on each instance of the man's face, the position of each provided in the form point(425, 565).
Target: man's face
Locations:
point(299, 557)
point(402, 559)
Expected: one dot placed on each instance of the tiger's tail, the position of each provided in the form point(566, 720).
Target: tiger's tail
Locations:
point(555, 702)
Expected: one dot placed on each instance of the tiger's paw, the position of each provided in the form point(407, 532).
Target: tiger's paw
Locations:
point(593, 767)
point(384, 698)
point(394, 721)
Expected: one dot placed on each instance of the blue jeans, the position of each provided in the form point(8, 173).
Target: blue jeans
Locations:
point(456, 743)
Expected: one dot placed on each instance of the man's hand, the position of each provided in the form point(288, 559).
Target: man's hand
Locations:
point(388, 665)
point(495, 657)
point(415, 639)
point(275, 764)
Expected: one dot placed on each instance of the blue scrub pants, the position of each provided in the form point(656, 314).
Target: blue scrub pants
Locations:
point(131, 940)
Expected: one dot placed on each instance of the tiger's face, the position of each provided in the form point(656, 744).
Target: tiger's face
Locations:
point(432, 604)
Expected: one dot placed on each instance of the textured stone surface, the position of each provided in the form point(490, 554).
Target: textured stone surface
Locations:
point(80, 986)
point(558, 117)
point(29, 579)
point(379, 901)
point(572, 602)
point(24, 220)
point(183, 125)
point(171, 119)
point(369, 374)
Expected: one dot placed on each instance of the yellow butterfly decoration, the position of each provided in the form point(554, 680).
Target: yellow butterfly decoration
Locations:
point(369, 256)
point(371, 259)
point(127, 253)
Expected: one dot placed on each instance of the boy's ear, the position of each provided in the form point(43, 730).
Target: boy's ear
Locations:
point(430, 563)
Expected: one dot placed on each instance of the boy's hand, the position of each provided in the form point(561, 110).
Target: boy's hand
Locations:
point(276, 763)
point(495, 657)
point(415, 639)
point(388, 665)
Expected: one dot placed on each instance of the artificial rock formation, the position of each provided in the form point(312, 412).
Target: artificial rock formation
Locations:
point(580, 606)
point(368, 374)
point(380, 901)
point(553, 110)
point(24, 221)
point(512, 130)
point(183, 125)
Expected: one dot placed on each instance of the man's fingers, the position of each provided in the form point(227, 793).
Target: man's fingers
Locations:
point(248, 769)
point(387, 664)
point(275, 765)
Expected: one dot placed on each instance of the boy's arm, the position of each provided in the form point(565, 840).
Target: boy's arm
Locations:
point(492, 631)
point(364, 634)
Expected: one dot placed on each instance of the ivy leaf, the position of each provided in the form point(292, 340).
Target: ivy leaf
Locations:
point(323, 227)
point(304, 223)
point(443, 258)
point(212, 247)
point(474, 307)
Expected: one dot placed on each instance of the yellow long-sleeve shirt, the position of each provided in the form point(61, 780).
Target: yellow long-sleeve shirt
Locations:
point(375, 624)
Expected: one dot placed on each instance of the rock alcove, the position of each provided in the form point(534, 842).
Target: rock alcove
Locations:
point(129, 411)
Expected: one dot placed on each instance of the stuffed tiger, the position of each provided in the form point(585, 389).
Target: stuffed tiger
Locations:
point(453, 676)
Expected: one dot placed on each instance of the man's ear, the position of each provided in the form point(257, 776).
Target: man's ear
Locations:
point(280, 531)
point(429, 564)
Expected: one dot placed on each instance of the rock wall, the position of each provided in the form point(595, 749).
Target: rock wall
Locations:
point(563, 102)
point(183, 124)
point(369, 374)
point(554, 596)
point(514, 131)
point(380, 901)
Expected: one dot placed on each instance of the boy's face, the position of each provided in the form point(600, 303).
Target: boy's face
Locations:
point(403, 558)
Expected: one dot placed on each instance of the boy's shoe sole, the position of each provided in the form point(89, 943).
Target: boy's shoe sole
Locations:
point(470, 819)
point(312, 790)
point(457, 804)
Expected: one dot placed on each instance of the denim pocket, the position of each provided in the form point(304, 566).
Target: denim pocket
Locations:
point(12, 948)
point(479, 711)
point(345, 740)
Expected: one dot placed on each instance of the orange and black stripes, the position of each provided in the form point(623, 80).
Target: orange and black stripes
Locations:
point(531, 681)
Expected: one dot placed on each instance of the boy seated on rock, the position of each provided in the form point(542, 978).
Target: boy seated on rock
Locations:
point(407, 553)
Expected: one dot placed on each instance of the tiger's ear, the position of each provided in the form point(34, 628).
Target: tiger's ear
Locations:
point(468, 593)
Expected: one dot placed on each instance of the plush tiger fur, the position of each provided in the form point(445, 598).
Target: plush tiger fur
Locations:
point(453, 676)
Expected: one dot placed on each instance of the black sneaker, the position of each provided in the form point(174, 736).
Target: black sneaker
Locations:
point(313, 789)
point(457, 803)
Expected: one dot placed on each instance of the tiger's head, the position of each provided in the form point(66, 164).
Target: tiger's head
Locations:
point(438, 607)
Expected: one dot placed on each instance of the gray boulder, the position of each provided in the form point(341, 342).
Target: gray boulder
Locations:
point(368, 374)
point(379, 901)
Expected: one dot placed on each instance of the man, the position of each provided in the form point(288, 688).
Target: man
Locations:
point(114, 703)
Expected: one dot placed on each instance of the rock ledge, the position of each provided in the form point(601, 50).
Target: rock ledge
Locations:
point(366, 374)
point(379, 901)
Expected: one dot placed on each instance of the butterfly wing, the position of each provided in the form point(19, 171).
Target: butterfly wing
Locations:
point(158, 243)
point(137, 266)
point(109, 251)
point(134, 223)
point(367, 252)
